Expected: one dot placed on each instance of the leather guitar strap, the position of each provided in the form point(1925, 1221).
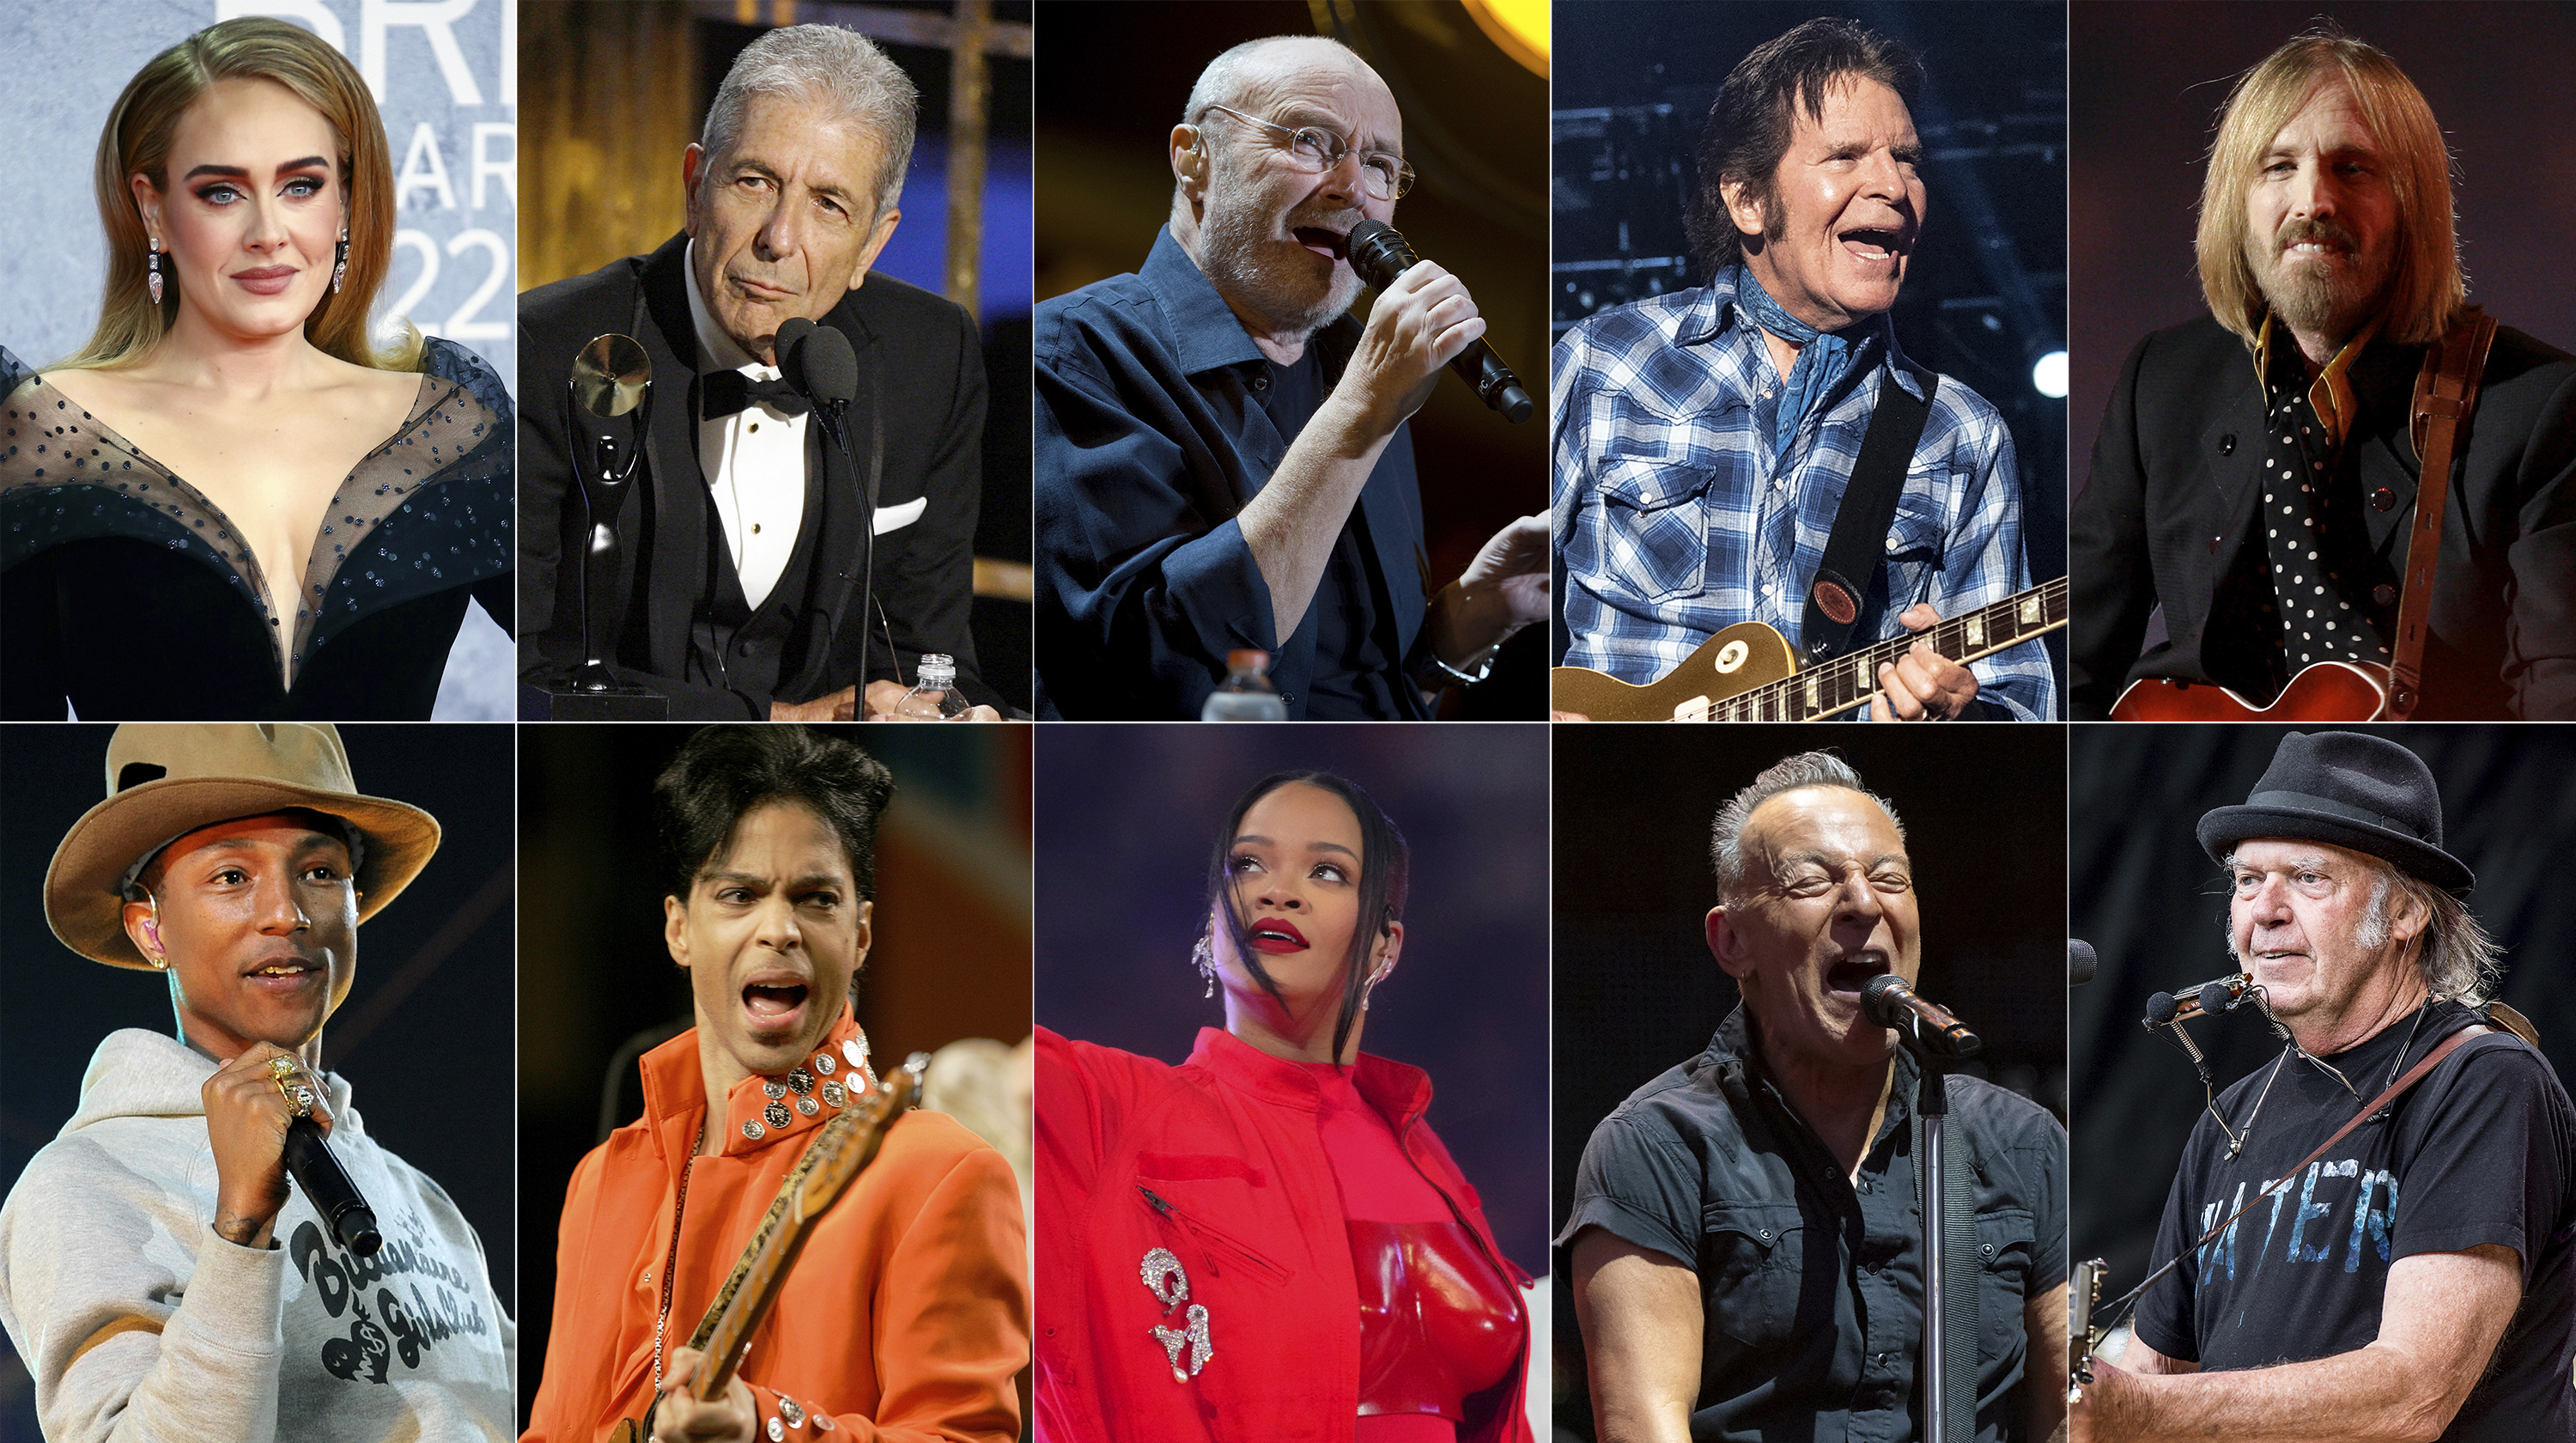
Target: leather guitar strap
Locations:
point(2446, 392)
point(1852, 552)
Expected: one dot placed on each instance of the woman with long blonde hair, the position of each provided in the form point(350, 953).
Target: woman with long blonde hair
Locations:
point(230, 504)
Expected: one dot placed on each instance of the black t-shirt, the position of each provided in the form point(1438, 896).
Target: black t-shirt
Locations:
point(1813, 1282)
point(2483, 1150)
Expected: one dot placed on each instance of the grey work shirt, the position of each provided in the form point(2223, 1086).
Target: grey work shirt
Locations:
point(1813, 1283)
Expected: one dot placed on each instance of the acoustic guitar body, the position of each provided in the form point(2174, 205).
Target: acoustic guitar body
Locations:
point(627, 1431)
point(2329, 691)
point(1741, 657)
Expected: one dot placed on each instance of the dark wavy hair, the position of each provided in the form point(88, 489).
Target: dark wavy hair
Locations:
point(1386, 874)
point(726, 771)
point(1750, 122)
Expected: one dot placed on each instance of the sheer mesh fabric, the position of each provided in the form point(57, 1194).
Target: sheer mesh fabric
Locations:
point(69, 476)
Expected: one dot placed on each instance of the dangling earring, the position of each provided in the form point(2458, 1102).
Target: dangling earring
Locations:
point(152, 268)
point(1204, 954)
point(340, 270)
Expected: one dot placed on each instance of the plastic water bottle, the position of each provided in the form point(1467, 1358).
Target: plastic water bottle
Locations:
point(934, 695)
point(1247, 694)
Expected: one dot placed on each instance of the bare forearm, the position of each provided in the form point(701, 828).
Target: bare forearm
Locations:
point(2379, 1396)
point(1292, 525)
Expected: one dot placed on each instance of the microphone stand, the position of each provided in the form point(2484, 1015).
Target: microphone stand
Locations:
point(832, 411)
point(1932, 1107)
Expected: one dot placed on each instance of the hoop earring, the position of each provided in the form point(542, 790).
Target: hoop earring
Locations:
point(1204, 955)
point(340, 268)
point(152, 268)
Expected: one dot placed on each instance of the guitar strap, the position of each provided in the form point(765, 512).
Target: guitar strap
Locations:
point(2446, 393)
point(1853, 550)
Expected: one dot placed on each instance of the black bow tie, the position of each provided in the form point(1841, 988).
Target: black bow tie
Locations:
point(725, 392)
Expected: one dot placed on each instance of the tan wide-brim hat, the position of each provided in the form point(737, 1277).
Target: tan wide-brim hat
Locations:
point(166, 779)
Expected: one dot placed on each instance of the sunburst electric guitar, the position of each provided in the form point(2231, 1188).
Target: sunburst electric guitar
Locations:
point(2328, 691)
point(1748, 672)
point(841, 1150)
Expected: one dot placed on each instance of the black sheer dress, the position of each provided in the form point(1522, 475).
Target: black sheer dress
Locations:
point(126, 594)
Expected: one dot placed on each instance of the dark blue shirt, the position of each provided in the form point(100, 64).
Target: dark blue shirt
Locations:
point(1156, 424)
point(1813, 1282)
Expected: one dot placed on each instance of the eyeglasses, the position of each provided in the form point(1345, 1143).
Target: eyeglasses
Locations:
point(1315, 149)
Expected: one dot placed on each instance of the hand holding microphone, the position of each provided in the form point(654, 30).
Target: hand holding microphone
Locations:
point(1379, 254)
point(265, 1120)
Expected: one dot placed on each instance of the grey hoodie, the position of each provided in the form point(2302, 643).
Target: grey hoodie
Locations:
point(140, 1323)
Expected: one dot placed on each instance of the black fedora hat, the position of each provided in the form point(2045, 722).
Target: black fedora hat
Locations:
point(2357, 791)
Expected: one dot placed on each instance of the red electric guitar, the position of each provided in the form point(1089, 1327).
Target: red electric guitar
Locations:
point(2329, 691)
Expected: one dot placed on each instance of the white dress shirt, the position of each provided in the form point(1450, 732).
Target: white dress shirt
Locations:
point(754, 461)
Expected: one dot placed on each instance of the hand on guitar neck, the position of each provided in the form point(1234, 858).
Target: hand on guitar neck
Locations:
point(1923, 685)
point(680, 1418)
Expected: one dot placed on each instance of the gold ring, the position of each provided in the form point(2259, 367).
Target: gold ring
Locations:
point(280, 1069)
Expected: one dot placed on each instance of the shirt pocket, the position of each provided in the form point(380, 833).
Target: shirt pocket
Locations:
point(1655, 520)
point(1916, 538)
point(1208, 1217)
point(1751, 1267)
point(2005, 1241)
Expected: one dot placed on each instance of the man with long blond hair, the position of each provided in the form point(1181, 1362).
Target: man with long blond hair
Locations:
point(2255, 475)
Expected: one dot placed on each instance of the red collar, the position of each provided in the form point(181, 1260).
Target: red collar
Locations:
point(1402, 1093)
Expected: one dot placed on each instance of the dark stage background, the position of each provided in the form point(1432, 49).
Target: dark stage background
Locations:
point(616, 91)
point(1112, 88)
point(1129, 813)
point(1985, 295)
point(1636, 990)
point(425, 1037)
point(2149, 80)
point(2155, 907)
point(950, 960)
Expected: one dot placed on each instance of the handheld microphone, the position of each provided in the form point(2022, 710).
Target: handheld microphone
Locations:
point(2209, 997)
point(2080, 962)
point(1379, 254)
point(326, 1185)
point(1890, 1003)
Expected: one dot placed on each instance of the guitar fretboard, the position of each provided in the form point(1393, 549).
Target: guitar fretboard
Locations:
point(1847, 681)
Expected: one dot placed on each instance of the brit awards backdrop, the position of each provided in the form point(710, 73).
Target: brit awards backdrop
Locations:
point(445, 76)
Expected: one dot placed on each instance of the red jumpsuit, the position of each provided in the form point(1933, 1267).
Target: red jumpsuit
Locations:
point(1247, 1247)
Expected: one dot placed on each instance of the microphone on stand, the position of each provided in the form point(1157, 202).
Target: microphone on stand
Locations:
point(817, 360)
point(1890, 1003)
point(1379, 254)
point(326, 1185)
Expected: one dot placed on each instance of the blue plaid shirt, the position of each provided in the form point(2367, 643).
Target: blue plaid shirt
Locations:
point(1674, 522)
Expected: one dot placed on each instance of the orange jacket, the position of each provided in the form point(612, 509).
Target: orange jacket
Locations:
point(906, 1317)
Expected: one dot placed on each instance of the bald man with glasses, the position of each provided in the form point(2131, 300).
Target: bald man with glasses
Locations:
point(1222, 460)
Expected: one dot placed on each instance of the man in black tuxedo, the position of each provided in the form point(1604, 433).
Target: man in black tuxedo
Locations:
point(744, 534)
point(2255, 474)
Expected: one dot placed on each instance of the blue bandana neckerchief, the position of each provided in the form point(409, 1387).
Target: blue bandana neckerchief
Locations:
point(1823, 357)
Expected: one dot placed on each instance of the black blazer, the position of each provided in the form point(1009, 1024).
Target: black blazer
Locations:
point(920, 362)
point(2168, 518)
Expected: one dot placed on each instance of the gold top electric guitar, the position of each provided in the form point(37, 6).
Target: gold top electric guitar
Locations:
point(1749, 673)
